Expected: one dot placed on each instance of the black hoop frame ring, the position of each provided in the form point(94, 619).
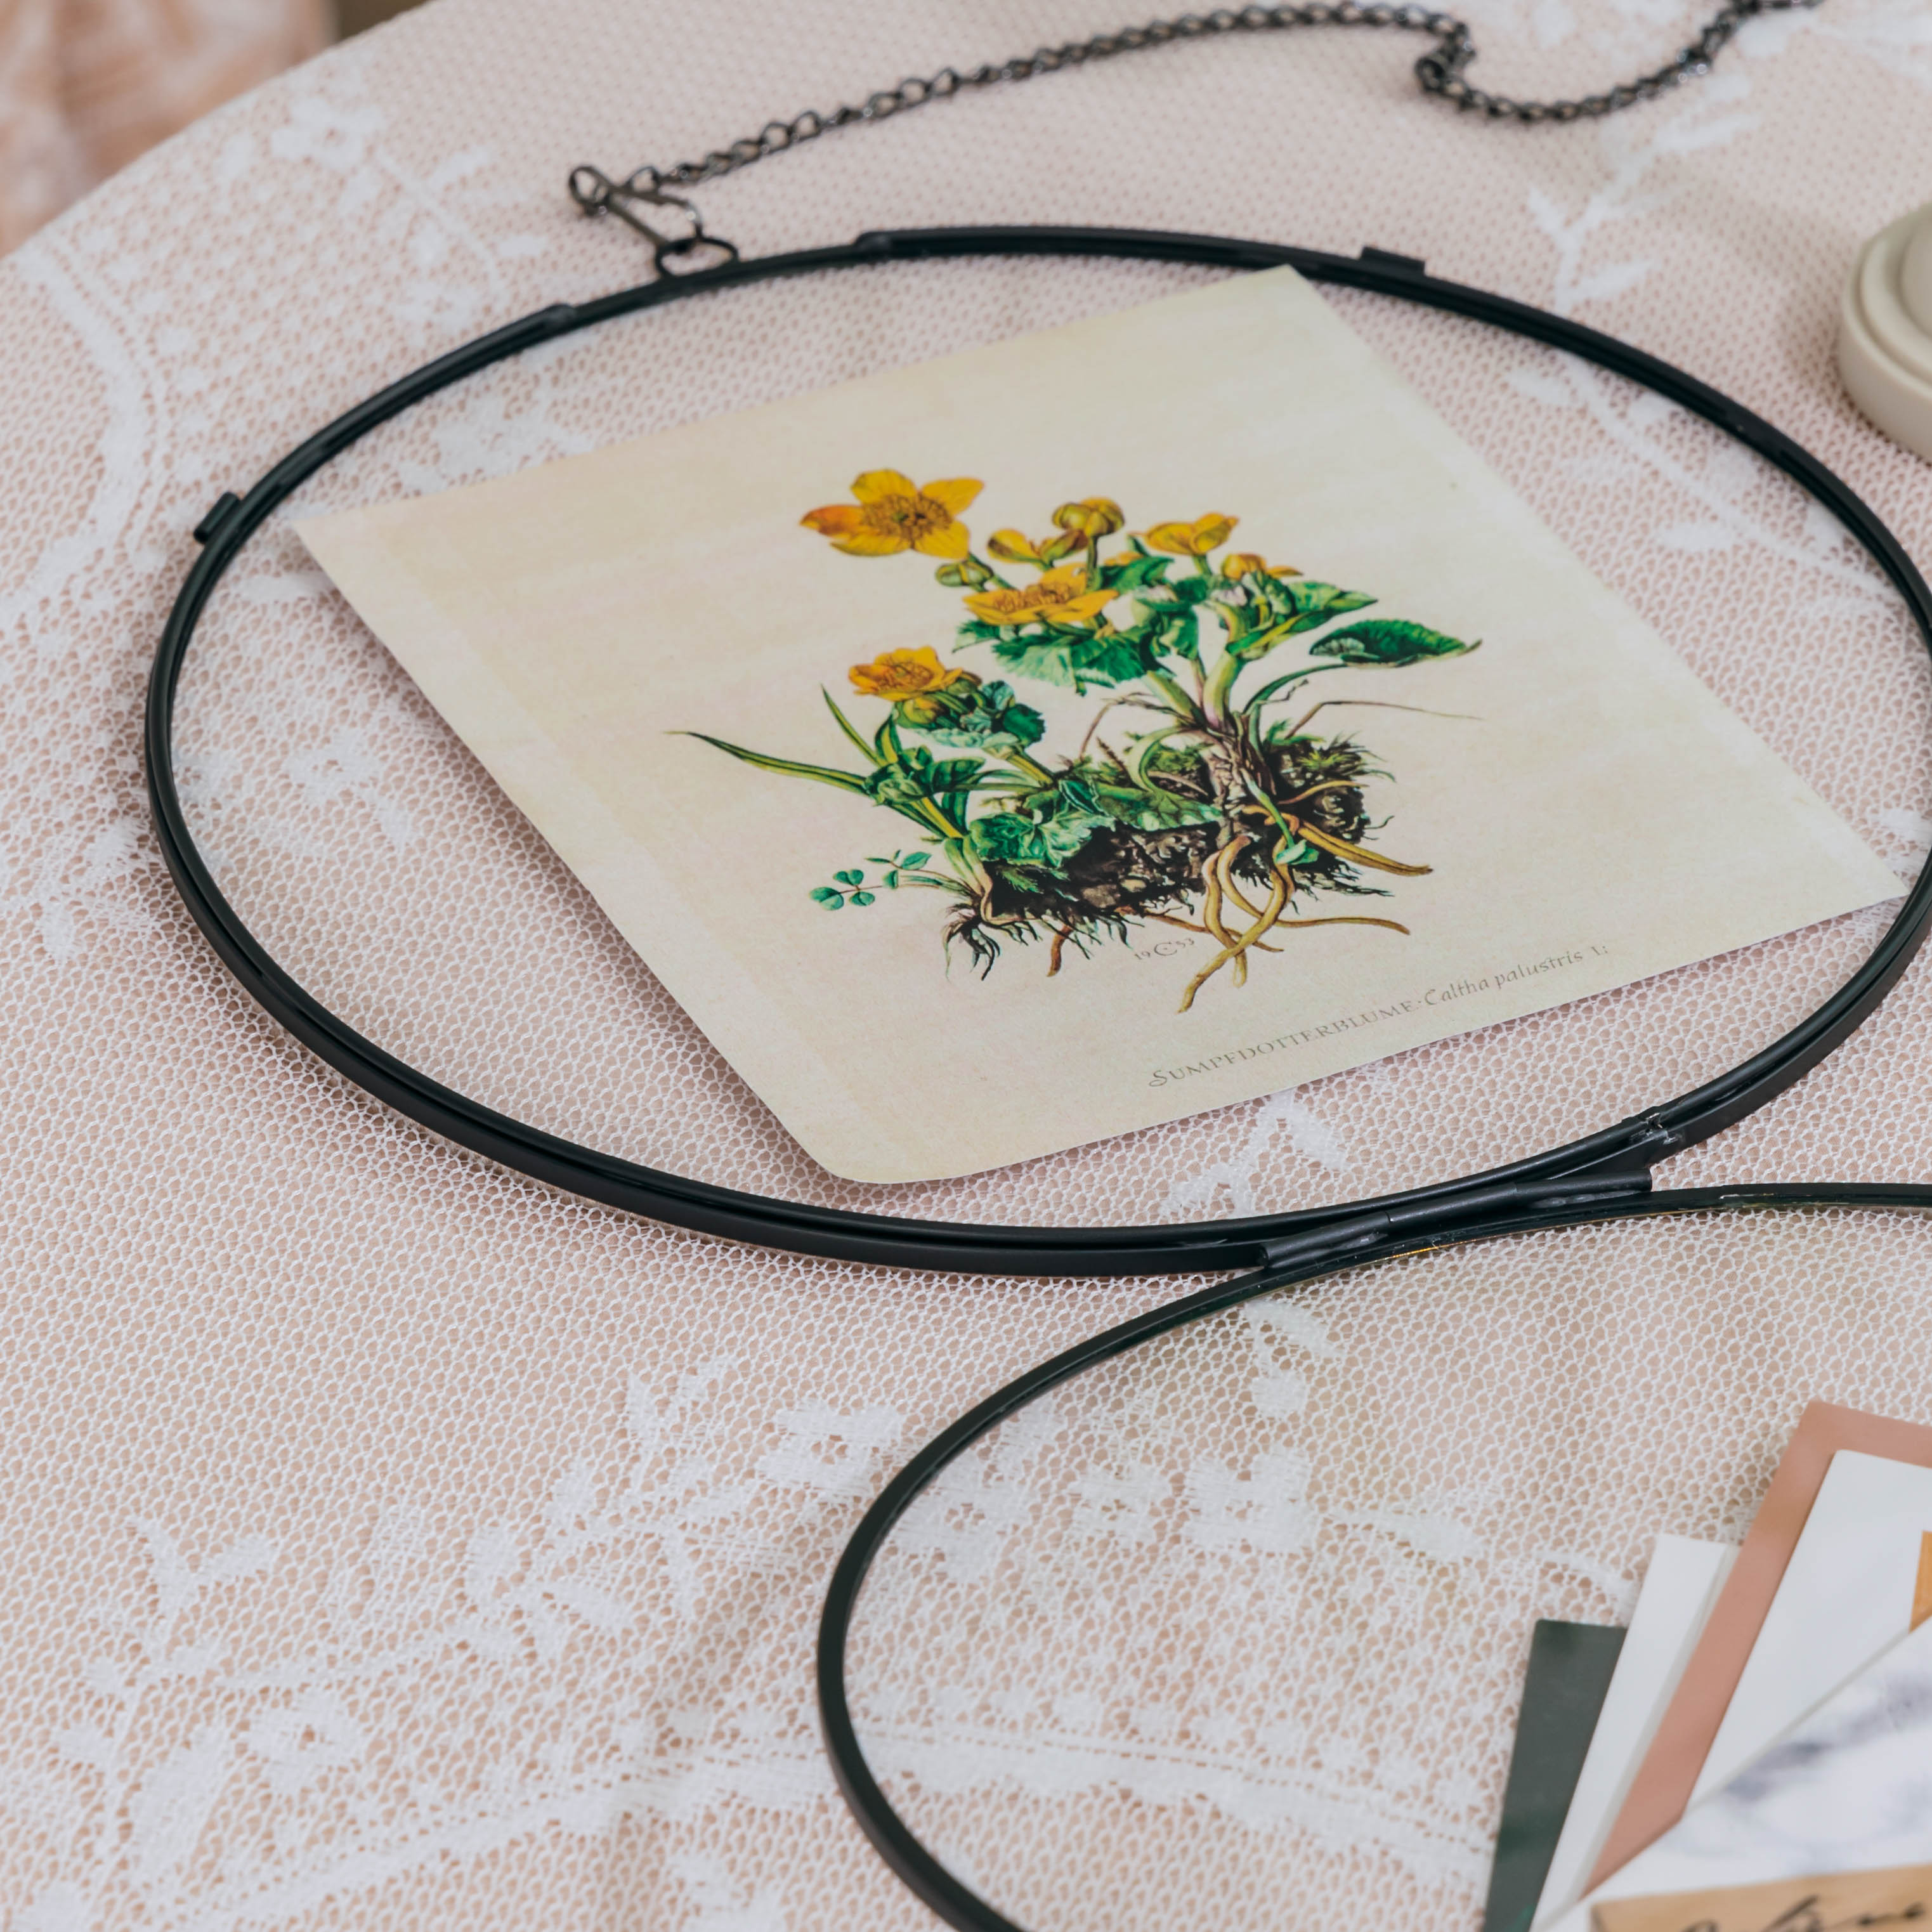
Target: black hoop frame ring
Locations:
point(1618, 1157)
point(1325, 1252)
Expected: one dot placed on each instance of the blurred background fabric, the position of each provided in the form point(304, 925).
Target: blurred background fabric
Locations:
point(352, 17)
point(85, 85)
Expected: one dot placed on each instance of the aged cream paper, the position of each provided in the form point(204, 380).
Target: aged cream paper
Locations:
point(1212, 794)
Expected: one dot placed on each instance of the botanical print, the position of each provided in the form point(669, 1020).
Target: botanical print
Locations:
point(1157, 854)
point(1198, 796)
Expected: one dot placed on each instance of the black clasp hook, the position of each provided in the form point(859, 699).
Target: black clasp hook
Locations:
point(596, 193)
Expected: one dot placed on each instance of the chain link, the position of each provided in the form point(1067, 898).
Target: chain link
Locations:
point(1440, 71)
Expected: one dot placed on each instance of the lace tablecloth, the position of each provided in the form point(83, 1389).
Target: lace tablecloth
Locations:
point(392, 1542)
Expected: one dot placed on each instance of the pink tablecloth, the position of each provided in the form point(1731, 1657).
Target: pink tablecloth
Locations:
point(392, 1542)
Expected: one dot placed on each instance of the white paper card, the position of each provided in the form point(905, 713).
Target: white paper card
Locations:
point(1679, 1589)
point(1050, 741)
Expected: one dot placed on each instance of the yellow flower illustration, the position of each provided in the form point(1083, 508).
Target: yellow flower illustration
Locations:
point(901, 674)
point(1011, 546)
point(1241, 563)
point(1092, 517)
point(1060, 597)
point(1195, 539)
point(893, 513)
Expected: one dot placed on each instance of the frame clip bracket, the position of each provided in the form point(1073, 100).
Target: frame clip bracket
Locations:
point(677, 253)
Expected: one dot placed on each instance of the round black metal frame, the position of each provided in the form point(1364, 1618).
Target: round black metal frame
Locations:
point(1605, 1175)
point(1616, 1159)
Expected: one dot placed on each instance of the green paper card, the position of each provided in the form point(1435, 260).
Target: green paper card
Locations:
point(1563, 1693)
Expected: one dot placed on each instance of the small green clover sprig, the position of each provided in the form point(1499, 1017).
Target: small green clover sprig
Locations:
point(832, 898)
point(850, 887)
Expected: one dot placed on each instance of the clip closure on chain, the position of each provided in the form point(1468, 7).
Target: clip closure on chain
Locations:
point(1440, 72)
point(676, 254)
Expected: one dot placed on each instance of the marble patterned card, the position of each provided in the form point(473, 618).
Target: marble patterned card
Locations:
point(1050, 741)
point(1848, 1593)
point(1847, 1789)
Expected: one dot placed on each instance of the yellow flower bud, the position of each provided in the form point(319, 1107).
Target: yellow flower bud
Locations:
point(1091, 518)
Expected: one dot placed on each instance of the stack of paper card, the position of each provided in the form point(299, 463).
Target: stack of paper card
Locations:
point(1761, 1754)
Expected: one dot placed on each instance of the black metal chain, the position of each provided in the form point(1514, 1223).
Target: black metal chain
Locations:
point(1440, 72)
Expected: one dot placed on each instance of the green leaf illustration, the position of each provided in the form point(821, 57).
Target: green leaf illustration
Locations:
point(948, 775)
point(1187, 591)
point(1073, 817)
point(1390, 643)
point(1172, 633)
point(1293, 605)
point(1310, 603)
point(918, 784)
point(1052, 826)
point(1155, 809)
point(790, 767)
point(1007, 837)
point(1073, 658)
point(846, 725)
point(990, 719)
point(1135, 571)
